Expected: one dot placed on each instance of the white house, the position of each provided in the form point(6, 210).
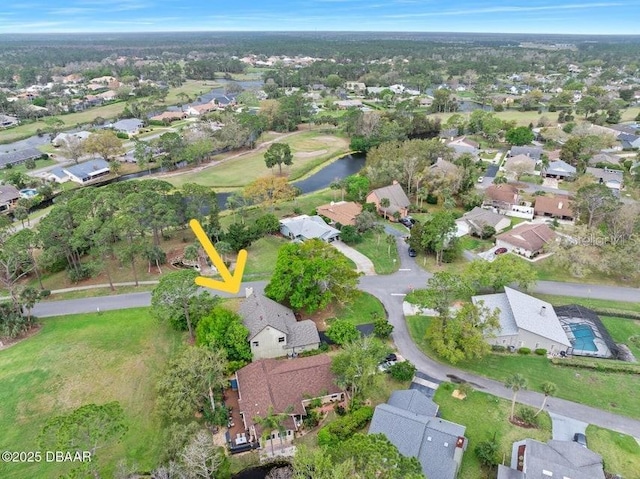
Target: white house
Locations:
point(525, 321)
point(305, 227)
point(82, 173)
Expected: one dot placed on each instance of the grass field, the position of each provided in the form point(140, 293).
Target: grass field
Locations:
point(621, 453)
point(549, 270)
point(23, 169)
point(484, 416)
point(82, 359)
point(193, 88)
point(385, 260)
point(590, 302)
point(310, 149)
point(613, 392)
point(262, 256)
point(625, 331)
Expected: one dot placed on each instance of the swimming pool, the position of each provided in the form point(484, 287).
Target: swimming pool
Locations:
point(583, 337)
point(28, 193)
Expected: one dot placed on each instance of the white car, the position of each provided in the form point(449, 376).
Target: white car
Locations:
point(481, 179)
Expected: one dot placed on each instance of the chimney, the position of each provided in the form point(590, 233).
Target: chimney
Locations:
point(560, 205)
point(394, 182)
point(543, 310)
point(248, 292)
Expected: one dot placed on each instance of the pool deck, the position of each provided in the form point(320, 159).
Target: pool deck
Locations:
point(601, 351)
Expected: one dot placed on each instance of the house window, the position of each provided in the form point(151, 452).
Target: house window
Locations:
point(281, 339)
point(256, 344)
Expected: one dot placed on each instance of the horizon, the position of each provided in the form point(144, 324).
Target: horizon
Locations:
point(537, 17)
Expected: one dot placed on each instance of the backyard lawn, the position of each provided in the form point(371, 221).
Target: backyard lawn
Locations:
point(485, 417)
point(549, 270)
point(625, 331)
point(23, 169)
point(621, 453)
point(261, 257)
point(364, 309)
point(82, 359)
point(614, 392)
point(385, 260)
point(310, 149)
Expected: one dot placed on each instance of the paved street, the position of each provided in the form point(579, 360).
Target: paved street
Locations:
point(390, 289)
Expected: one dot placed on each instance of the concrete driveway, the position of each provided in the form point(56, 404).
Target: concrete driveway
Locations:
point(563, 427)
point(363, 264)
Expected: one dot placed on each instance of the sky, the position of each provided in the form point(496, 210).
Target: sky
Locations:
point(515, 16)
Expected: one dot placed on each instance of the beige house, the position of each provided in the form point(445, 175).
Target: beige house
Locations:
point(343, 212)
point(274, 330)
point(526, 239)
point(525, 321)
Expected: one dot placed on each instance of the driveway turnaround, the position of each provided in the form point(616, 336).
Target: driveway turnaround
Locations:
point(363, 264)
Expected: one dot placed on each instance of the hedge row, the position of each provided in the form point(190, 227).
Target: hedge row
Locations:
point(599, 365)
point(344, 427)
point(617, 313)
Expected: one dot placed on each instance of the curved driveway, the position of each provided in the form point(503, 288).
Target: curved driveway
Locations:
point(390, 290)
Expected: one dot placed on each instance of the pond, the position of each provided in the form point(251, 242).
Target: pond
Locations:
point(258, 472)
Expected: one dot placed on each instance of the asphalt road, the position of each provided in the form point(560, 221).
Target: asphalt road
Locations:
point(390, 290)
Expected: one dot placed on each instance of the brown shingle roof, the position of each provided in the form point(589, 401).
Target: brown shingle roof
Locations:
point(554, 206)
point(503, 193)
point(397, 197)
point(531, 237)
point(8, 193)
point(343, 212)
point(282, 383)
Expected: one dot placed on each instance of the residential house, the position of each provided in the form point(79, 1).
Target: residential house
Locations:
point(343, 212)
point(7, 121)
point(107, 95)
point(354, 86)
point(517, 165)
point(130, 126)
point(398, 200)
point(531, 459)
point(9, 196)
point(612, 179)
point(305, 227)
point(345, 104)
point(629, 142)
point(559, 169)
point(463, 145)
point(197, 110)
point(274, 330)
point(409, 420)
point(62, 138)
point(604, 158)
point(284, 386)
point(526, 239)
point(170, 116)
point(82, 173)
point(16, 157)
point(474, 221)
point(505, 199)
point(555, 206)
point(534, 152)
point(525, 322)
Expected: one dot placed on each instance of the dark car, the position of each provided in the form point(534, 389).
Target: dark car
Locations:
point(406, 222)
point(580, 439)
point(391, 357)
point(413, 253)
point(500, 251)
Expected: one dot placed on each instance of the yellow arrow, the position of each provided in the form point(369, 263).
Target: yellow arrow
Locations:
point(229, 284)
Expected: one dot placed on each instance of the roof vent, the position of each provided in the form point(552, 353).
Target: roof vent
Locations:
point(560, 205)
point(543, 310)
point(446, 444)
point(547, 473)
point(428, 438)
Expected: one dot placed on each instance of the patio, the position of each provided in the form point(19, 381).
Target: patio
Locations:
point(238, 435)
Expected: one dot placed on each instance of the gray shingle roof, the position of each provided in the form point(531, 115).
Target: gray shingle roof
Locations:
point(258, 312)
point(309, 227)
point(413, 401)
point(521, 311)
point(88, 168)
point(533, 151)
point(480, 217)
point(129, 125)
point(430, 439)
point(563, 459)
point(396, 195)
point(8, 193)
point(19, 156)
point(560, 168)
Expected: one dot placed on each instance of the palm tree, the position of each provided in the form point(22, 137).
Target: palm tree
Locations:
point(273, 421)
point(385, 203)
point(500, 179)
point(549, 389)
point(391, 241)
point(515, 383)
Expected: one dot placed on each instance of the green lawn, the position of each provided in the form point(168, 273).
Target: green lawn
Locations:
point(385, 260)
point(365, 309)
point(590, 302)
point(82, 359)
point(615, 392)
point(484, 416)
point(621, 453)
point(625, 331)
point(310, 149)
point(23, 169)
point(471, 243)
point(261, 258)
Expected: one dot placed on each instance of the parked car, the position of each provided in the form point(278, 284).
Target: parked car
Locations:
point(413, 253)
point(580, 439)
point(391, 357)
point(384, 366)
point(500, 251)
point(407, 221)
point(480, 179)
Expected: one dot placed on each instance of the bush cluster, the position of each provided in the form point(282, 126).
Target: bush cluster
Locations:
point(344, 427)
point(541, 352)
point(524, 351)
point(605, 365)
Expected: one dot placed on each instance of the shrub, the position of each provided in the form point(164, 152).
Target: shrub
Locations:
point(528, 416)
point(524, 351)
point(402, 371)
point(30, 164)
point(342, 331)
point(598, 365)
point(80, 273)
point(324, 347)
point(382, 328)
point(498, 348)
point(487, 453)
point(541, 352)
point(122, 135)
point(339, 409)
point(311, 420)
point(350, 235)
